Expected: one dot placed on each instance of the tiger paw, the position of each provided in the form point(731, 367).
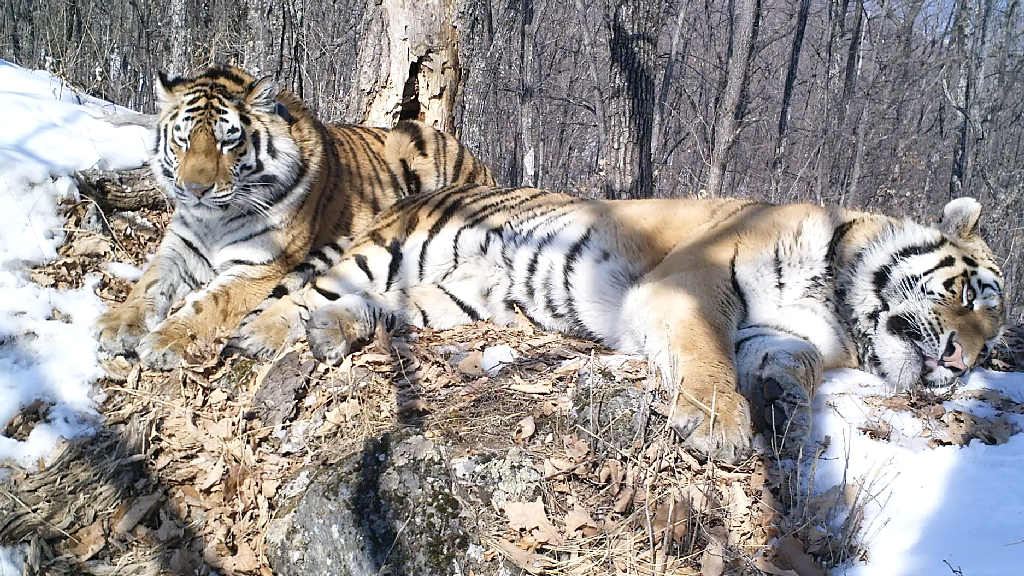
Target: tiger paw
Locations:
point(119, 331)
point(263, 334)
point(163, 348)
point(338, 329)
point(727, 438)
point(783, 408)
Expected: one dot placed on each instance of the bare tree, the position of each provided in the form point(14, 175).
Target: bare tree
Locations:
point(633, 39)
point(727, 127)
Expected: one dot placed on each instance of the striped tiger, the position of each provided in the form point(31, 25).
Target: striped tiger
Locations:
point(739, 305)
point(257, 182)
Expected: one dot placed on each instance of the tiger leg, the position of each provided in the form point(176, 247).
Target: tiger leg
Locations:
point(337, 329)
point(778, 375)
point(218, 306)
point(167, 279)
point(688, 337)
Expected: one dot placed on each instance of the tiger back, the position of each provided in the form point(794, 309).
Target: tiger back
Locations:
point(257, 182)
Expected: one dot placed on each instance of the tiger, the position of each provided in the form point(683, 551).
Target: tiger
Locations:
point(739, 305)
point(257, 182)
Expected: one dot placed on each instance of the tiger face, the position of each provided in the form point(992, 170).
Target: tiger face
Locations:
point(933, 309)
point(224, 142)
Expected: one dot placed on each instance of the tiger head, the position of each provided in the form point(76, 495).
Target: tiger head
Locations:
point(223, 140)
point(931, 299)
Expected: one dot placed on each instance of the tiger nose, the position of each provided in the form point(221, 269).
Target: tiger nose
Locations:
point(953, 357)
point(197, 188)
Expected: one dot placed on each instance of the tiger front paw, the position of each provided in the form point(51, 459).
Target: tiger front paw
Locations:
point(727, 438)
point(120, 330)
point(163, 348)
point(782, 408)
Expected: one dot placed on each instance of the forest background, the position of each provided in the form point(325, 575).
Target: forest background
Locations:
point(893, 106)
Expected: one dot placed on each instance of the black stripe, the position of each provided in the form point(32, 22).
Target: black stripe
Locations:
point(241, 262)
point(395, 250)
point(195, 250)
point(882, 276)
point(364, 265)
point(279, 291)
point(332, 296)
point(777, 261)
point(257, 232)
point(466, 308)
point(531, 266)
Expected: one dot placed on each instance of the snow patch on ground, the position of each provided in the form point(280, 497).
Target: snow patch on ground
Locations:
point(50, 131)
point(964, 506)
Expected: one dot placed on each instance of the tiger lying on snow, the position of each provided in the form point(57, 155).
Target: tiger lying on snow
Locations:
point(258, 181)
point(740, 305)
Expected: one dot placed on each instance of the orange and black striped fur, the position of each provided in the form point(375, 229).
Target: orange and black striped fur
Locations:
point(258, 182)
point(739, 305)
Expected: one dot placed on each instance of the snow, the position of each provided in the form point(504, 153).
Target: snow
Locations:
point(928, 506)
point(12, 560)
point(960, 505)
point(49, 132)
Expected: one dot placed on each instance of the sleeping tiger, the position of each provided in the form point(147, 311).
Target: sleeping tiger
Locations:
point(257, 182)
point(739, 305)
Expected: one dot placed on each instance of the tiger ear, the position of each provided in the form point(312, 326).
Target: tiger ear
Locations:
point(960, 218)
point(165, 89)
point(263, 94)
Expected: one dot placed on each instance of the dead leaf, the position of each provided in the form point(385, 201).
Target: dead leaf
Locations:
point(575, 448)
point(876, 430)
point(344, 411)
point(137, 511)
point(964, 427)
point(791, 551)
point(712, 561)
point(530, 561)
point(531, 387)
point(765, 565)
point(531, 517)
point(42, 277)
point(623, 501)
point(244, 560)
point(579, 519)
point(525, 429)
point(90, 245)
point(470, 365)
point(211, 476)
point(90, 541)
point(671, 515)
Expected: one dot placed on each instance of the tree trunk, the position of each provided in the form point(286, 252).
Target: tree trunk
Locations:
point(778, 161)
point(421, 66)
point(726, 124)
point(633, 43)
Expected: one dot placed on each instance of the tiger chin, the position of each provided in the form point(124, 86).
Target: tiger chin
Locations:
point(257, 182)
point(741, 306)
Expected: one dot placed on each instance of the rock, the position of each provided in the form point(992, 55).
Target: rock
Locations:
point(615, 413)
point(391, 509)
point(284, 387)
